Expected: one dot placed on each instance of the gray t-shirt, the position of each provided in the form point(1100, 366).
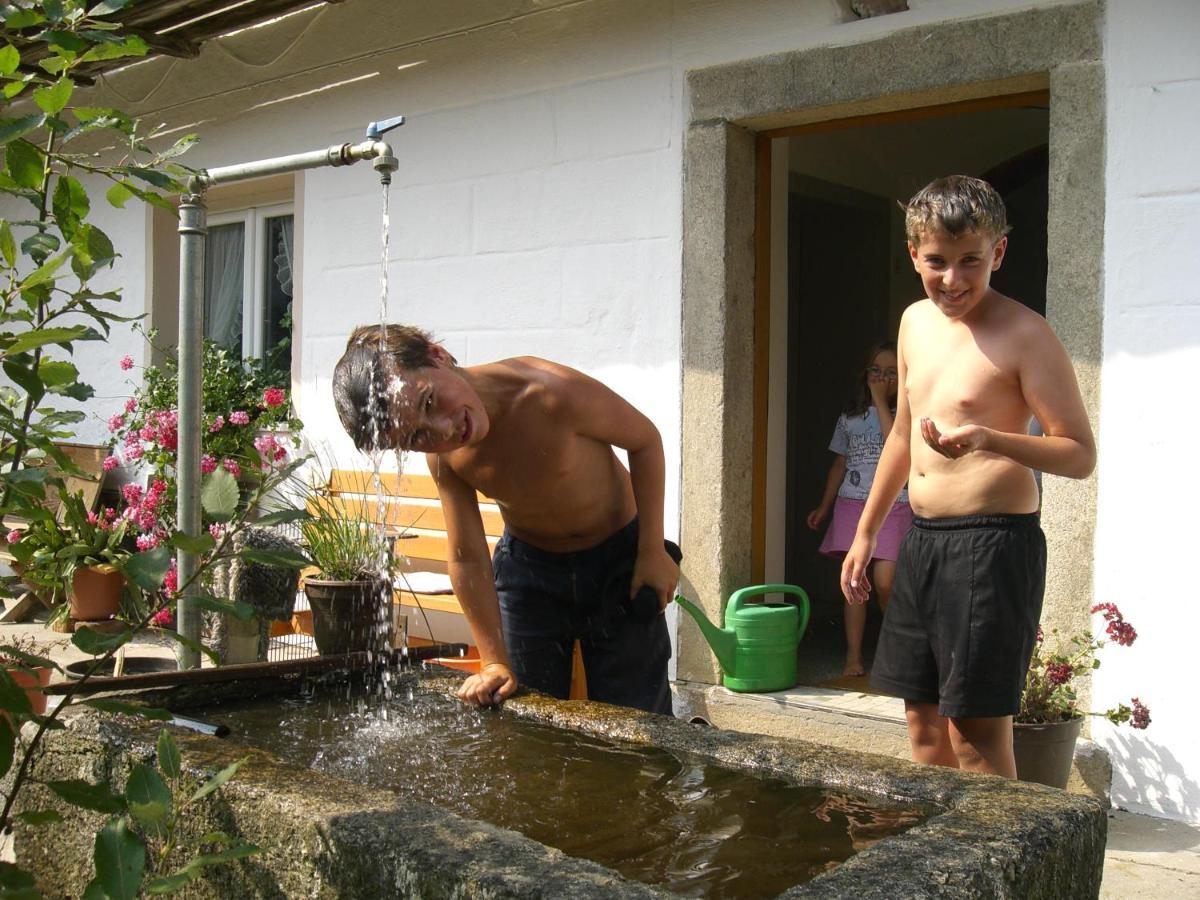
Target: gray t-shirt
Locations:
point(860, 440)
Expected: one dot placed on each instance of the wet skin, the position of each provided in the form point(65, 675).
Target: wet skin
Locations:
point(538, 438)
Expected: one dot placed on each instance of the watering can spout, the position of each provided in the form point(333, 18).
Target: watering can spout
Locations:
point(722, 640)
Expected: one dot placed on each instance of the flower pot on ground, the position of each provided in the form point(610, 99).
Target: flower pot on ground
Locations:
point(32, 680)
point(23, 659)
point(1051, 717)
point(350, 593)
point(96, 592)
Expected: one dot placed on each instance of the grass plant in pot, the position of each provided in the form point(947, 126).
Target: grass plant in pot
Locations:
point(350, 593)
point(1050, 719)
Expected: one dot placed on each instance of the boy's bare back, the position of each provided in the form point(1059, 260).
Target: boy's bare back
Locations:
point(547, 460)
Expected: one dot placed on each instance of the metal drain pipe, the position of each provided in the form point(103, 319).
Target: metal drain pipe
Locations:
point(193, 233)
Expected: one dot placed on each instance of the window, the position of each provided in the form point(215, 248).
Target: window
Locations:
point(248, 305)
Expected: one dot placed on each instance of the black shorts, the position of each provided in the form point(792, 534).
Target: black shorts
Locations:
point(960, 626)
point(548, 600)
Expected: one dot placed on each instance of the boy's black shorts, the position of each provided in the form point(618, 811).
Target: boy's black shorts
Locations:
point(548, 600)
point(960, 627)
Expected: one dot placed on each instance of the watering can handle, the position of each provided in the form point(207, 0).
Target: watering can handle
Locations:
point(735, 602)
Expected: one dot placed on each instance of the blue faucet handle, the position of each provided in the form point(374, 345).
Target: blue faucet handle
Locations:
point(376, 130)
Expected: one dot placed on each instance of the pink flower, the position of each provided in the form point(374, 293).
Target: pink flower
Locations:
point(147, 541)
point(1141, 714)
point(265, 445)
point(217, 530)
point(130, 405)
point(110, 463)
point(92, 518)
point(132, 494)
point(163, 619)
point(232, 467)
point(171, 581)
point(116, 422)
point(127, 362)
point(1058, 673)
point(1117, 629)
point(14, 536)
point(273, 397)
point(134, 451)
point(239, 417)
point(207, 464)
point(147, 519)
point(217, 424)
point(158, 487)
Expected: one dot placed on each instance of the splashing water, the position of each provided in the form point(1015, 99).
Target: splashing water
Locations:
point(383, 277)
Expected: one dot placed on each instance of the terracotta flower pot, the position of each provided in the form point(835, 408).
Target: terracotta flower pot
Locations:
point(348, 615)
point(31, 681)
point(1044, 752)
point(96, 593)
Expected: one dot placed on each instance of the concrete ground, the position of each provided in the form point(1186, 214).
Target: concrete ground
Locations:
point(1147, 857)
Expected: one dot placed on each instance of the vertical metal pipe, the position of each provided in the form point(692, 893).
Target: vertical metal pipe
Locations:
point(193, 232)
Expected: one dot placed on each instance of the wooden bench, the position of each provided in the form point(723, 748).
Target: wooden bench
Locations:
point(412, 508)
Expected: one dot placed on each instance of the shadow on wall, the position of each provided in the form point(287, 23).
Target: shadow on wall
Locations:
point(1143, 766)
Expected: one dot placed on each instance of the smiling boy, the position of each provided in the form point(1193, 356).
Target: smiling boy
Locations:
point(974, 367)
point(582, 533)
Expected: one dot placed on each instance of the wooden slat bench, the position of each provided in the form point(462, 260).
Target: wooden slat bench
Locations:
point(411, 506)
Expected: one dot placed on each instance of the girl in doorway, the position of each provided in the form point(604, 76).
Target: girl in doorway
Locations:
point(857, 442)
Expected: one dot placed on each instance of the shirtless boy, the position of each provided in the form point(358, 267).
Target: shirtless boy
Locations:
point(974, 366)
point(582, 534)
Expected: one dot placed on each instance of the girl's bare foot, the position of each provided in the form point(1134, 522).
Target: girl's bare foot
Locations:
point(853, 669)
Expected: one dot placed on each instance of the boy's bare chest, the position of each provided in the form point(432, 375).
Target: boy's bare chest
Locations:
point(957, 381)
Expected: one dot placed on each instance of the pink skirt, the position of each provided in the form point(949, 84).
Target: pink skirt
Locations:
point(846, 513)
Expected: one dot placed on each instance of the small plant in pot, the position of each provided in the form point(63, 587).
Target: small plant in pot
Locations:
point(23, 659)
point(1050, 719)
point(350, 593)
point(80, 556)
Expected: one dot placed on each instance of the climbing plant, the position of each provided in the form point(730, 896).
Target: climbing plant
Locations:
point(59, 155)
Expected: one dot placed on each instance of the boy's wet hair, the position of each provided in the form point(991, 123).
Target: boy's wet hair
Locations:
point(363, 379)
point(955, 205)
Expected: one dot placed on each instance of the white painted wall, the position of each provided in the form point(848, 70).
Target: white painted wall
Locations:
point(1149, 492)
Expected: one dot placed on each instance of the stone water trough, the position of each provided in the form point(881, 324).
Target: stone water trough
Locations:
point(325, 836)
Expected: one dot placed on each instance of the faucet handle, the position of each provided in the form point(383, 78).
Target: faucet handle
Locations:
point(376, 130)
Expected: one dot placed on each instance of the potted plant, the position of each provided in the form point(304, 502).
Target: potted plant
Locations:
point(22, 656)
point(1050, 718)
point(79, 554)
point(350, 592)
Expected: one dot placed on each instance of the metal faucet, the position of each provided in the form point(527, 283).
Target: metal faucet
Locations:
point(384, 162)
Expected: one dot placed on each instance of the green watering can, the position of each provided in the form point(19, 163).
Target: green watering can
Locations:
point(757, 646)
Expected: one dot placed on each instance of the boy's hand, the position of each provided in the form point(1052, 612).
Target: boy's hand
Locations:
point(816, 517)
point(654, 567)
point(494, 684)
point(955, 443)
point(856, 587)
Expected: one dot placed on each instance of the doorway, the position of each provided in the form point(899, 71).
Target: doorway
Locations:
point(849, 278)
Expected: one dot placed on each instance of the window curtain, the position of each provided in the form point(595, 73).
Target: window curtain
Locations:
point(224, 265)
point(283, 255)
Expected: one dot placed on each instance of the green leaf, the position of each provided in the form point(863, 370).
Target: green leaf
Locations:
point(14, 88)
point(31, 340)
point(190, 644)
point(168, 755)
point(11, 129)
point(8, 246)
point(283, 517)
point(52, 99)
point(96, 797)
point(169, 884)
point(67, 41)
point(71, 204)
point(92, 249)
point(107, 8)
point(41, 275)
point(25, 164)
point(13, 697)
point(197, 545)
point(194, 868)
point(55, 373)
point(154, 177)
point(40, 245)
point(282, 559)
point(148, 797)
point(129, 46)
point(17, 884)
point(148, 569)
point(124, 708)
point(10, 58)
point(119, 194)
point(15, 17)
point(25, 378)
point(8, 740)
point(120, 857)
point(93, 643)
point(219, 495)
point(217, 780)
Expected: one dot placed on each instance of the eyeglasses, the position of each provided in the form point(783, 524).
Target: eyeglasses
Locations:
point(882, 373)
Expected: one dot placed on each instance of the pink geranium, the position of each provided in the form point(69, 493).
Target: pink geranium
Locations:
point(110, 463)
point(163, 619)
point(208, 465)
point(14, 536)
point(239, 417)
point(273, 397)
point(127, 362)
point(217, 424)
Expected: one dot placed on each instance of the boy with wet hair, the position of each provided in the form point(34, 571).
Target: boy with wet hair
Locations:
point(974, 367)
point(582, 534)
